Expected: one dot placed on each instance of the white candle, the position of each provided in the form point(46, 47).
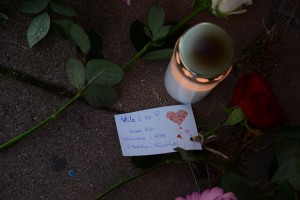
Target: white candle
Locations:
point(195, 70)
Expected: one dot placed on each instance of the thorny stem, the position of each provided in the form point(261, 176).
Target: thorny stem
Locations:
point(39, 125)
point(125, 67)
point(173, 30)
point(185, 20)
point(131, 178)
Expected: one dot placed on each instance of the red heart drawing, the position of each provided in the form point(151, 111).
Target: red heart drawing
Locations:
point(177, 117)
point(179, 136)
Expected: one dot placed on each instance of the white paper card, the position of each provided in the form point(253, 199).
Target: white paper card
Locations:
point(157, 130)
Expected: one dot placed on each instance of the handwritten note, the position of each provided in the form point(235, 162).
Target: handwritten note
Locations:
point(157, 130)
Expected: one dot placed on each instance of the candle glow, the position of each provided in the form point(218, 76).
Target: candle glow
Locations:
point(186, 86)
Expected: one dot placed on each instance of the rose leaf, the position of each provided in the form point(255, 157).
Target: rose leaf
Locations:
point(75, 72)
point(103, 73)
point(159, 55)
point(38, 29)
point(100, 97)
point(62, 8)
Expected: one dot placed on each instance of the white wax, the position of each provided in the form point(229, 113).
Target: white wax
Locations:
point(189, 91)
point(181, 89)
point(184, 90)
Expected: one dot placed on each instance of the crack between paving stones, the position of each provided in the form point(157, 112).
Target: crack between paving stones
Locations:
point(58, 90)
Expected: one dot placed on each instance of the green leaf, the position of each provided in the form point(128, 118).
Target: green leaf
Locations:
point(144, 162)
point(147, 32)
point(287, 192)
point(75, 72)
point(3, 16)
point(62, 8)
point(292, 132)
point(100, 97)
point(63, 27)
point(159, 55)
point(289, 170)
point(102, 72)
point(236, 116)
point(38, 29)
point(156, 17)
point(34, 6)
point(295, 181)
point(286, 149)
point(162, 32)
point(80, 38)
point(232, 182)
point(227, 111)
point(137, 35)
point(184, 154)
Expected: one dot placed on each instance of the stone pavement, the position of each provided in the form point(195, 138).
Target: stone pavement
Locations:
point(78, 155)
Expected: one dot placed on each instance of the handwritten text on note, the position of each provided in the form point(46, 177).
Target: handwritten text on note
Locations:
point(157, 130)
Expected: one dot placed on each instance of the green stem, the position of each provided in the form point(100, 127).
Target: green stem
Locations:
point(185, 20)
point(130, 178)
point(39, 125)
point(127, 65)
point(173, 30)
point(213, 130)
point(285, 178)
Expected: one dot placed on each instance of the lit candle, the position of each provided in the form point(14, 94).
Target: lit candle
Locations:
point(202, 58)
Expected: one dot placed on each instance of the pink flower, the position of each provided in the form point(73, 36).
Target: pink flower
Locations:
point(215, 193)
point(127, 2)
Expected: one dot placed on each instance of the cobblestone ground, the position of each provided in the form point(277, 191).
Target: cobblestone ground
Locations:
point(78, 155)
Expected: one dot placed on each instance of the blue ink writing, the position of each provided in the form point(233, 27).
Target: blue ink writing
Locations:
point(160, 135)
point(149, 129)
point(166, 144)
point(127, 138)
point(141, 146)
point(135, 131)
point(147, 117)
point(128, 119)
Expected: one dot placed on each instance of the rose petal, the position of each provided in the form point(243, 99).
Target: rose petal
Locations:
point(239, 90)
point(259, 103)
point(230, 6)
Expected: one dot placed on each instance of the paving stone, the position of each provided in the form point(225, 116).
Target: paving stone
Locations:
point(84, 139)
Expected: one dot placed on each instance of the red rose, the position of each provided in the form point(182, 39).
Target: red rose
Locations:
point(256, 98)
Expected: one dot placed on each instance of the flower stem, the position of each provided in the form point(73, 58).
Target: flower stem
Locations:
point(126, 66)
point(213, 130)
point(185, 20)
point(130, 178)
point(39, 125)
point(173, 30)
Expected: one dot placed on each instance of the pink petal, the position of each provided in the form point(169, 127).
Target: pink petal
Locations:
point(127, 2)
point(212, 194)
point(179, 198)
point(228, 196)
point(195, 196)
